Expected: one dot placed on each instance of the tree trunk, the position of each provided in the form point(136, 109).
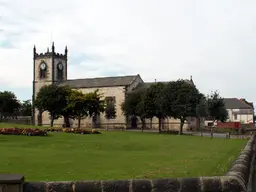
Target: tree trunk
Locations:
point(39, 118)
point(66, 120)
point(160, 124)
point(52, 119)
point(212, 128)
point(107, 124)
point(198, 123)
point(79, 122)
point(143, 124)
point(134, 122)
point(151, 123)
point(127, 122)
point(200, 128)
point(182, 121)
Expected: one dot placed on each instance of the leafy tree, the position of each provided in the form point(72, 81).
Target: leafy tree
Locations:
point(216, 107)
point(181, 99)
point(133, 106)
point(9, 105)
point(66, 113)
point(154, 104)
point(77, 106)
point(131, 101)
point(53, 98)
point(201, 110)
point(95, 104)
point(110, 111)
point(141, 112)
point(26, 108)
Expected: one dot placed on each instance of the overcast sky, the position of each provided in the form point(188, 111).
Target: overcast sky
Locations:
point(214, 41)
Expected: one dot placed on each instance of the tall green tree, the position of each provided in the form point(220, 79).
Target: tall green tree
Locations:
point(96, 105)
point(141, 112)
point(216, 107)
point(133, 106)
point(9, 104)
point(65, 112)
point(110, 111)
point(202, 107)
point(181, 99)
point(26, 108)
point(54, 99)
point(201, 111)
point(77, 106)
point(154, 105)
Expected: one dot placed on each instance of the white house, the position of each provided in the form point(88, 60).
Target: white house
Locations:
point(239, 110)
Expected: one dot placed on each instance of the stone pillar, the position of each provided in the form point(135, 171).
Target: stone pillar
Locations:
point(11, 182)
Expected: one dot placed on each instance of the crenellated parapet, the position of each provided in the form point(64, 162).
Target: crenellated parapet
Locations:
point(51, 54)
point(60, 56)
point(42, 55)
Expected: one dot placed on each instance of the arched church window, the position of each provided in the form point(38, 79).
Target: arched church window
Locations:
point(43, 70)
point(60, 71)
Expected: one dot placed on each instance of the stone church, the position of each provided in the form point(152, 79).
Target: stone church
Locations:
point(52, 67)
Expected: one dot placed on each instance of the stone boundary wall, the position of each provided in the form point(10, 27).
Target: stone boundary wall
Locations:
point(202, 184)
point(237, 179)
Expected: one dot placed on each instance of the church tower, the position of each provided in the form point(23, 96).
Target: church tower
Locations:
point(48, 68)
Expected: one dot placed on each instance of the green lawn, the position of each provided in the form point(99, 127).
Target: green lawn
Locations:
point(115, 155)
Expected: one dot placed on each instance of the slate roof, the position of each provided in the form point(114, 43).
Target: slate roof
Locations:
point(100, 82)
point(234, 103)
point(249, 103)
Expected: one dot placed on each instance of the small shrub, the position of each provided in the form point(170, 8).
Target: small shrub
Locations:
point(23, 131)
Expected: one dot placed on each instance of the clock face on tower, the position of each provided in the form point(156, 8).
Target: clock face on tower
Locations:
point(43, 66)
point(60, 66)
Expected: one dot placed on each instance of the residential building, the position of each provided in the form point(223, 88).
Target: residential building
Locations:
point(239, 110)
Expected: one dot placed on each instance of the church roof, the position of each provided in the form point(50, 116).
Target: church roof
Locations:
point(100, 82)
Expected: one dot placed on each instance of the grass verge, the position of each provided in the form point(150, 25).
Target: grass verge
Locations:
point(115, 155)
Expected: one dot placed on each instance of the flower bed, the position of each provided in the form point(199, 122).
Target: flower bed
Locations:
point(73, 130)
point(22, 131)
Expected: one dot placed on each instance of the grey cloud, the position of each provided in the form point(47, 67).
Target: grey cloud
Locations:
point(212, 40)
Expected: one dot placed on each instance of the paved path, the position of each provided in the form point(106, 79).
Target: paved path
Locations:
point(216, 135)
